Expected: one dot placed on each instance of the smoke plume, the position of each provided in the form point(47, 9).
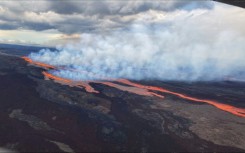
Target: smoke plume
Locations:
point(180, 45)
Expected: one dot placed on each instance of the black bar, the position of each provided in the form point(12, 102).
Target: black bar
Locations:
point(240, 3)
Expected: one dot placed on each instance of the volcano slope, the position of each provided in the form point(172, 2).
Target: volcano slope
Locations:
point(39, 113)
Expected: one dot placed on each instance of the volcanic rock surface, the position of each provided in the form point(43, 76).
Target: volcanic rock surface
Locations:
point(37, 114)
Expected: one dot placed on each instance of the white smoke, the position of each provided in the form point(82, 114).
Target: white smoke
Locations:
point(180, 45)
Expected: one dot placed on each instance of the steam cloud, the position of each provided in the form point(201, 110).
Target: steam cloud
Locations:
point(181, 45)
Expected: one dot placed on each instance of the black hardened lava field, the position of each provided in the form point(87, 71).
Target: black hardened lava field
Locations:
point(39, 114)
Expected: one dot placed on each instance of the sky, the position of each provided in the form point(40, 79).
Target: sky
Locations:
point(167, 40)
point(58, 22)
point(162, 39)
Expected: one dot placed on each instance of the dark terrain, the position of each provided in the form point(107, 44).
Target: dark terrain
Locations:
point(41, 115)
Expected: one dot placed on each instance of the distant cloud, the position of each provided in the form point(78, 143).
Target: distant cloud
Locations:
point(178, 45)
point(29, 36)
point(71, 17)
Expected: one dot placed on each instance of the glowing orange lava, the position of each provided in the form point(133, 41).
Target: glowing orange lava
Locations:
point(224, 107)
point(135, 88)
point(85, 84)
point(62, 80)
point(47, 66)
point(78, 84)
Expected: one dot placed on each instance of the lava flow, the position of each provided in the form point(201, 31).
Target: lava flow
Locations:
point(78, 84)
point(88, 88)
point(85, 84)
point(224, 107)
point(43, 65)
point(135, 88)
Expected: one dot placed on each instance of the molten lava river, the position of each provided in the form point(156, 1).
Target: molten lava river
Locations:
point(131, 87)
